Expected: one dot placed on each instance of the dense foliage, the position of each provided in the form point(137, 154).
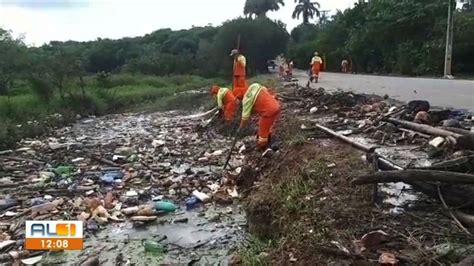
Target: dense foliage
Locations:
point(390, 36)
point(260, 8)
point(307, 9)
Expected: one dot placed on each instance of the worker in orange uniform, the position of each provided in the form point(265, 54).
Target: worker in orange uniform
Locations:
point(260, 101)
point(239, 82)
point(316, 63)
point(226, 102)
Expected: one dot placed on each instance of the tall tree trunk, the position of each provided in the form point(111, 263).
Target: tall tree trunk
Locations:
point(82, 84)
point(305, 17)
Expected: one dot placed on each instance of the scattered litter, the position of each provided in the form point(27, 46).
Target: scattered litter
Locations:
point(436, 142)
point(201, 196)
point(32, 260)
point(165, 206)
point(153, 247)
point(388, 258)
point(192, 202)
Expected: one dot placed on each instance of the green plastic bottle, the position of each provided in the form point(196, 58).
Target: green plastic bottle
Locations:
point(63, 170)
point(165, 206)
point(153, 247)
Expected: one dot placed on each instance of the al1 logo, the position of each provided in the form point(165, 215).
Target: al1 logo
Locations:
point(53, 235)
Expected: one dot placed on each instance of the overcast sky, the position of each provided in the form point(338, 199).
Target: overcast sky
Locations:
point(45, 20)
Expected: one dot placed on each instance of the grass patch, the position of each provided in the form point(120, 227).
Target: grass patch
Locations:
point(295, 190)
point(303, 201)
point(255, 253)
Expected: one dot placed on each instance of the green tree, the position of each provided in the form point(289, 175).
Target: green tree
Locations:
point(306, 9)
point(13, 61)
point(261, 40)
point(259, 8)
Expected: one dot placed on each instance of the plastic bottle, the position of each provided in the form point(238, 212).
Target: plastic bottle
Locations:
point(112, 177)
point(165, 206)
point(63, 170)
point(191, 202)
point(153, 247)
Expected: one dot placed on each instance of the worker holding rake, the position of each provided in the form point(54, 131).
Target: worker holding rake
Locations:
point(258, 100)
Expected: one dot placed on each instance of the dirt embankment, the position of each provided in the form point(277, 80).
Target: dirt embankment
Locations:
point(302, 209)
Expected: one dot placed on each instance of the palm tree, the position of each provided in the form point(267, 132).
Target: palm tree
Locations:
point(306, 8)
point(260, 8)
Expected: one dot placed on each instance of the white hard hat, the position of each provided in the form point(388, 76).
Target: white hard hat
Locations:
point(234, 52)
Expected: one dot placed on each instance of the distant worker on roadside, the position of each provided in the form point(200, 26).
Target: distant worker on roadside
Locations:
point(344, 66)
point(281, 70)
point(316, 63)
point(226, 102)
point(258, 100)
point(239, 74)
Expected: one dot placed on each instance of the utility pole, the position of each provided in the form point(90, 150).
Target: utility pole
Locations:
point(449, 41)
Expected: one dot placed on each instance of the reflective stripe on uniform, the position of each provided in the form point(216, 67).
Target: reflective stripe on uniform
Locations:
point(260, 139)
point(316, 59)
point(249, 99)
point(220, 96)
point(241, 59)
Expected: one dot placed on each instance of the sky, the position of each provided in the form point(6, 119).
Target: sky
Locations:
point(41, 21)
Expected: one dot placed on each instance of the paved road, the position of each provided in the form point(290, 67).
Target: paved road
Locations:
point(439, 92)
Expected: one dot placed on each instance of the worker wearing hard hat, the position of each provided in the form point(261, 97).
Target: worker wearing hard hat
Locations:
point(316, 63)
point(239, 74)
point(226, 102)
point(258, 100)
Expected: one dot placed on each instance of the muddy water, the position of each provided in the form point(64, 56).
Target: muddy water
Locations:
point(208, 238)
point(398, 195)
point(205, 235)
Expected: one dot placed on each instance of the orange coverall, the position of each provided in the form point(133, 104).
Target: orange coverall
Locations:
point(259, 100)
point(239, 81)
point(316, 63)
point(225, 101)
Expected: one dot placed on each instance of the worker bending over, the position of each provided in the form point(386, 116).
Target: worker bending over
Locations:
point(259, 100)
point(240, 63)
point(316, 63)
point(226, 102)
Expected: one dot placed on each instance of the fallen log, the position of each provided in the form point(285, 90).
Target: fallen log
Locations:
point(458, 131)
point(423, 128)
point(410, 176)
point(463, 164)
point(346, 139)
point(462, 141)
point(455, 195)
point(415, 133)
point(465, 218)
point(383, 163)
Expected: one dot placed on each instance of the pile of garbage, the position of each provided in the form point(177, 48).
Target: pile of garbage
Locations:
point(443, 140)
point(128, 168)
point(385, 120)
